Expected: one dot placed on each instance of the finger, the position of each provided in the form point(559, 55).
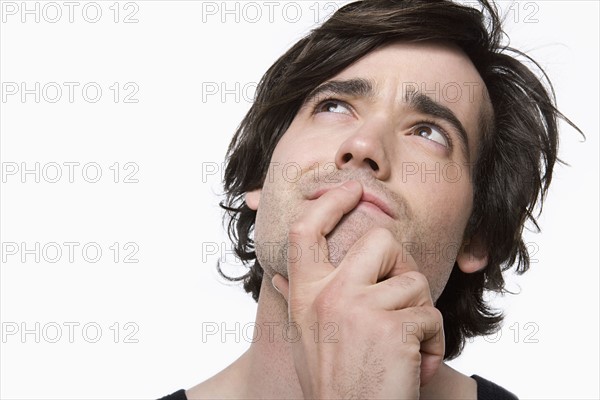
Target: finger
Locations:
point(430, 363)
point(281, 285)
point(375, 256)
point(307, 246)
point(426, 325)
point(409, 289)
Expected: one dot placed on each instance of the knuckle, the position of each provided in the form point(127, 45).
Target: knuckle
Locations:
point(429, 313)
point(382, 236)
point(401, 282)
point(297, 308)
point(298, 230)
point(416, 279)
point(435, 314)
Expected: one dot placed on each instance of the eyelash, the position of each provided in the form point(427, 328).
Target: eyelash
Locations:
point(318, 104)
point(424, 121)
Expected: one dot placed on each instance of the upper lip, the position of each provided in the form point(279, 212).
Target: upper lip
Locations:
point(367, 196)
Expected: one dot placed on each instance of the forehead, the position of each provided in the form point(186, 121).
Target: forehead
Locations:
point(441, 71)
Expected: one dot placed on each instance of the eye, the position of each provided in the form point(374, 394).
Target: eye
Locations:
point(433, 133)
point(333, 106)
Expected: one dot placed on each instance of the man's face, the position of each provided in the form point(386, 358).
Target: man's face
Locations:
point(392, 121)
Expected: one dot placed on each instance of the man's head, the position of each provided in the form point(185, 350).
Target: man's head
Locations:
point(367, 124)
point(418, 84)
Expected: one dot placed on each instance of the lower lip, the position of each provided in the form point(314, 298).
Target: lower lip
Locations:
point(372, 207)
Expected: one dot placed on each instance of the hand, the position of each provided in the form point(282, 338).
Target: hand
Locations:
point(388, 338)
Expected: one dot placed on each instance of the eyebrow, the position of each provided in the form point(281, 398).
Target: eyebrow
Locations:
point(426, 105)
point(415, 100)
point(357, 87)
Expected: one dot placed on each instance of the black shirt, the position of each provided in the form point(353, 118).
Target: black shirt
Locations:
point(486, 390)
point(178, 395)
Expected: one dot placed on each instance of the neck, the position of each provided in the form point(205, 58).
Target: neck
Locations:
point(266, 370)
point(272, 373)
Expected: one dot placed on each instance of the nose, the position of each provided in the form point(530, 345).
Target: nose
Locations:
point(365, 149)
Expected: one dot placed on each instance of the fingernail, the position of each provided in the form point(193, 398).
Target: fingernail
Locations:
point(273, 283)
point(351, 185)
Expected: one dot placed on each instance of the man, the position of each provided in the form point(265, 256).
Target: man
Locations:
point(422, 148)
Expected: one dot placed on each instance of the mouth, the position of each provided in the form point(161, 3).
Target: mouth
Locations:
point(373, 201)
point(368, 200)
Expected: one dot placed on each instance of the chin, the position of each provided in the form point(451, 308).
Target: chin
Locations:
point(351, 228)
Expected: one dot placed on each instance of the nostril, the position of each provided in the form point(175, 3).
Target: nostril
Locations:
point(373, 164)
point(346, 158)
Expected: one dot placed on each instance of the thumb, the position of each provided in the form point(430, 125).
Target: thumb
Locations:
point(281, 285)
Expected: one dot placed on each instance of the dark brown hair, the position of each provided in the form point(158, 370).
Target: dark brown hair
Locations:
point(515, 159)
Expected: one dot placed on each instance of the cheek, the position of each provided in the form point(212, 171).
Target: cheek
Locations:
point(301, 151)
point(441, 189)
point(447, 207)
point(289, 147)
point(442, 212)
point(441, 209)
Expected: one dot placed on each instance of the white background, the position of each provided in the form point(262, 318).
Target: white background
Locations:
point(176, 133)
